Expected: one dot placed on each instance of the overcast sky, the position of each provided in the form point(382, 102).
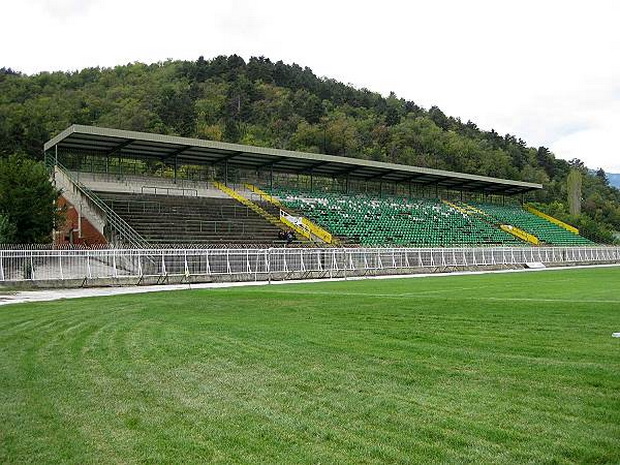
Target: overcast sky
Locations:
point(544, 70)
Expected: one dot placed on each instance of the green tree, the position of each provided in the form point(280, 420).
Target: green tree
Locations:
point(600, 173)
point(176, 110)
point(7, 230)
point(27, 200)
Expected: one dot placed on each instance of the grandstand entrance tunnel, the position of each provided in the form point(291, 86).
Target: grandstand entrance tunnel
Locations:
point(141, 189)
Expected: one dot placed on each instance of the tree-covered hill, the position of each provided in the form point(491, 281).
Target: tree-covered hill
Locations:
point(274, 104)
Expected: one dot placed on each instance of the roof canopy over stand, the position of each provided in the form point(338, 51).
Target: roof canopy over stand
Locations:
point(182, 150)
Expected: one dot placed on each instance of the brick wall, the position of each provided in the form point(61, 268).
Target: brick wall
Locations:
point(71, 233)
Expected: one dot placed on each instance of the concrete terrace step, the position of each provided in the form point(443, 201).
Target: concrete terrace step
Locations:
point(176, 219)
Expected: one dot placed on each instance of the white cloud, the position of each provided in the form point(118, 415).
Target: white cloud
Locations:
point(61, 9)
point(596, 144)
point(544, 71)
point(593, 146)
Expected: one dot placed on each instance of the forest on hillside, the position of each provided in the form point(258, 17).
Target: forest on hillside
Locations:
point(273, 104)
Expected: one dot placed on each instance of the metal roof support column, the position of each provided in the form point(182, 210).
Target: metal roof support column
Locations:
point(346, 185)
point(311, 182)
point(120, 166)
point(271, 177)
point(226, 173)
point(436, 190)
point(380, 189)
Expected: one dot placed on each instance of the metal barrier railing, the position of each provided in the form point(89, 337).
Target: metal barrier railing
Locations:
point(260, 264)
point(130, 205)
point(86, 176)
point(182, 191)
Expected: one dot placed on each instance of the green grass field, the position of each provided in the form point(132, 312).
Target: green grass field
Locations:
point(503, 368)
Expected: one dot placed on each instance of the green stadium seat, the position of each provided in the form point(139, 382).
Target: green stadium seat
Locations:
point(372, 221)
point(546, 231)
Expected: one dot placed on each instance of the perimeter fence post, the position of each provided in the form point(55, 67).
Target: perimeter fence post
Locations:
point(31, 266)
point(140, 271)
point(268, 262)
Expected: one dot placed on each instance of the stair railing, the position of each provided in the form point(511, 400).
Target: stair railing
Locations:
point(118, 231)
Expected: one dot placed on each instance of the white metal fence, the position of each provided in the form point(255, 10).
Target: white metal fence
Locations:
point(276, 263)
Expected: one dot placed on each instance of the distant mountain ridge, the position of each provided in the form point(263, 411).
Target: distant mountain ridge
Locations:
point(614, 179)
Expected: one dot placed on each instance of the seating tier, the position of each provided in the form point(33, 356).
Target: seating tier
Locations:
point(190, 220)
point(384, 221)
point(546, 231)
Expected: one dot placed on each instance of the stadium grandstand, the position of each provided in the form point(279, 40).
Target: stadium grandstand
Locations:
point(141, 190)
